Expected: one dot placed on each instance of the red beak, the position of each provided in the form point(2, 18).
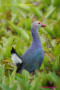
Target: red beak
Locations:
point(43, 25)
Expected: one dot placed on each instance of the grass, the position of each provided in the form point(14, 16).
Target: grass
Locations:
point(15, 25)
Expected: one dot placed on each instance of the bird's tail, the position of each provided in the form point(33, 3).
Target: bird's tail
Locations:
point(15, 57)
point(13, 50)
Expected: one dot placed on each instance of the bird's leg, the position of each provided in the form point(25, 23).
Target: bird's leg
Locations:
point(33, 72)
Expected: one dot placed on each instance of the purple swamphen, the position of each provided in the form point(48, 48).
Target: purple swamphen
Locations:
point(33, 57)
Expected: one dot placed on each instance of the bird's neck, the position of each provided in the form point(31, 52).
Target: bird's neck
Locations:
point(36, 38)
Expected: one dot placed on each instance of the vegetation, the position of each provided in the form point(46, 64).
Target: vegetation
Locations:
point(16, 17)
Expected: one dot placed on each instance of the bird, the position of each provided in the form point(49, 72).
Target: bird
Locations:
point(32, 59)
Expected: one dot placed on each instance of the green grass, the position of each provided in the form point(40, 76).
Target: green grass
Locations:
point(15, 30)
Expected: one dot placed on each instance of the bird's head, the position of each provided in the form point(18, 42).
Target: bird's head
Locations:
point(37, 25)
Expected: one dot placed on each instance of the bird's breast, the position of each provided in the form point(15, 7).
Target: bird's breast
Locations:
point(33, 55)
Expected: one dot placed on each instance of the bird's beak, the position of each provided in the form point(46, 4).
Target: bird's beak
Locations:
point(43, 25)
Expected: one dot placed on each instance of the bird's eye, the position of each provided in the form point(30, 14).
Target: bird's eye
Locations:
point(39, 23)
